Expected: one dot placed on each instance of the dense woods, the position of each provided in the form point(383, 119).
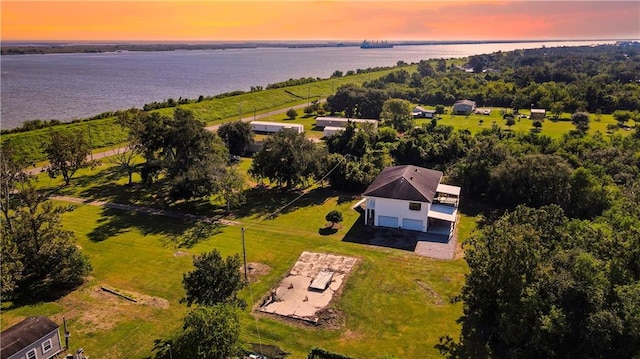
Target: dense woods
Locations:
point(600, 79)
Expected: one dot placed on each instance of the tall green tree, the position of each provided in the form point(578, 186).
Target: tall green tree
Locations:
point(38, 255)
point(397, 113)
point(67, 153)
point(357, 102)
point(12, 177)
point(125, 158)
point(214, 280)
point(210, 333)
point(231, 185)
point(195, 158)
point(287, 158)
point(581, 120)
point(237, 135)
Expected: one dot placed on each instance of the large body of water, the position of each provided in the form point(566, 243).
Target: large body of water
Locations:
point(69, 86)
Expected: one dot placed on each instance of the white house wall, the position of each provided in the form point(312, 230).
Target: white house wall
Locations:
point(397, 208)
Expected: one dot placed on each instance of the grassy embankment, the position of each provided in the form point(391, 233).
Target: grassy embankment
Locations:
point(394, 302)
point(105, 133)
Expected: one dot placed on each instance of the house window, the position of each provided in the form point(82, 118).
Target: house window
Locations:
point(415, 206)
point(46, 346)
point(31, 354)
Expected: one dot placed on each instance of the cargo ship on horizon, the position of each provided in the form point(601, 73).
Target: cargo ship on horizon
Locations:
point(375, 45)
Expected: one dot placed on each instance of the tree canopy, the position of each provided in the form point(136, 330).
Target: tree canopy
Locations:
point(214, 280)
point(67, 153)
point(192, 158)
point(39, 257)
point(237, 135)
point(397, 113)
point(287, 158)
point(541, 285)
point(210, 332)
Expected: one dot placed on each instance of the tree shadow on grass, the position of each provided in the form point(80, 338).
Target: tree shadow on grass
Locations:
point(116, 221)
point(196, 233)
point(326, 231)
point(266, 201)
point(35, 294)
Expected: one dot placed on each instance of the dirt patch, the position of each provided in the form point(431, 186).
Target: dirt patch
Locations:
point(180, 254)
point(435, 297)
point(255, 270)
point(459, 253)
point(140, 299)
point(330, 318)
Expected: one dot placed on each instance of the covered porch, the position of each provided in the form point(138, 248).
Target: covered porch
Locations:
point(443, 213)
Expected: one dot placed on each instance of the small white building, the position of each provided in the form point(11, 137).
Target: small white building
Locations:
point(420, 112)
point(273, 127)
point(464, 107)
point(329, 131)
point(538, 114)
point(412, 198)
point(322, 121)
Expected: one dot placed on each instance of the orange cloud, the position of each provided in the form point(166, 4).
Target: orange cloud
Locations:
point(317, 20)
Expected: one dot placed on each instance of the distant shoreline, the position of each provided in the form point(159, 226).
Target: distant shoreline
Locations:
point(44, 47)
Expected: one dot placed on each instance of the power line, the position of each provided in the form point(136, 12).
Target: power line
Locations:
point(262, 219)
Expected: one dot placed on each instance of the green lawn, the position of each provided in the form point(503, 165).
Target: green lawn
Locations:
point(551, 128)
point(394, 302)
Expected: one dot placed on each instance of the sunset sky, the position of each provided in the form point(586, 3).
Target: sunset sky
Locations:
point(317, 20)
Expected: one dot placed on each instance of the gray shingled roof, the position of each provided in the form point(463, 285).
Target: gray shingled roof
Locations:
point(466, 102)
point(410, 183)
point(24, 334)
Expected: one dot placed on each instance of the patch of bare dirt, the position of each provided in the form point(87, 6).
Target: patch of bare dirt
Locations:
point(459, 253)
point(255, 270)
point(331, 318)
point(435, 297)
point(180, 254)
point(140, 299)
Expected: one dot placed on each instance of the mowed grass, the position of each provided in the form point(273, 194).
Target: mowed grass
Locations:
point(552, 128)
point(394, 302)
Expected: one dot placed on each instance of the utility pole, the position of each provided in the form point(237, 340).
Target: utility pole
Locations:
point(90, 142)
point(244, 256)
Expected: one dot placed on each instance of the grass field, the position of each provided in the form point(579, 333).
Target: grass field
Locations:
point(551, 128)
point(394, 302)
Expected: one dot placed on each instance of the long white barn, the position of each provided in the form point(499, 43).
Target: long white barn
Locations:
point(322, 121)
point(273, 127)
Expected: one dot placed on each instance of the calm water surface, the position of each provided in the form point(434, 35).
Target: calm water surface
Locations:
point(68, 86)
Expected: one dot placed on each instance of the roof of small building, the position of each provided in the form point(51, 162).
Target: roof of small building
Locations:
point(344, 119)
point(465, 102)
point(25, 333)
point(283, 124)
point(538, 110)
point(410, 183)
point(422, 109)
